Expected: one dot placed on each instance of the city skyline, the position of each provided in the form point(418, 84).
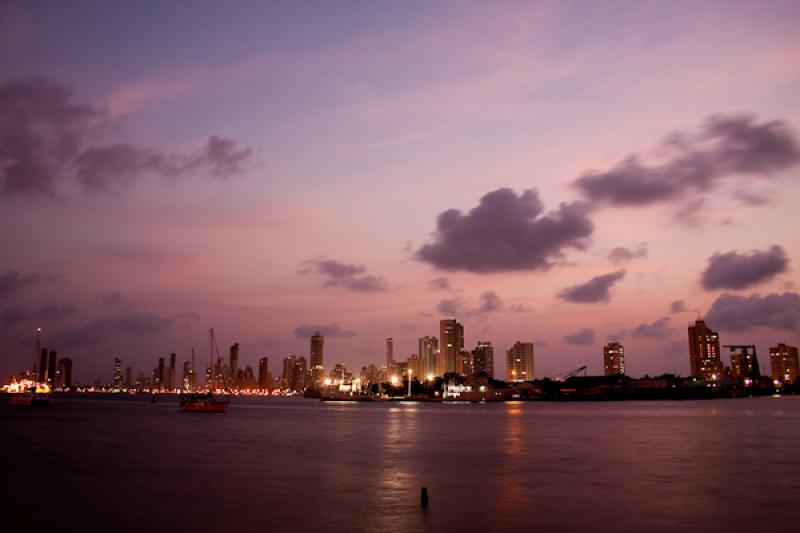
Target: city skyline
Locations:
point(273, 171)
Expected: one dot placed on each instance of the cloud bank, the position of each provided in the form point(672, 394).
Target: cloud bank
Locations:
point(733, 270)
point(595, 290)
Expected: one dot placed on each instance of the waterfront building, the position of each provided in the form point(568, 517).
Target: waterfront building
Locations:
point(117, 373)
point(428, 346)
point(704, 352)
point(42, 365)
point(744, 363)
point(483, 358)
point(51, 369)
point(465, 365)
point(519, 362)
point(451, 344)
point(263, 372)
point(613, 359)
point(390, 363)
point(233, 364)
point(158, 383)
point(172, 372)
point(784, 363)
point(414, 364)
point(128, 377)
point(65, 371)
point(186, 379)
point(316, 359)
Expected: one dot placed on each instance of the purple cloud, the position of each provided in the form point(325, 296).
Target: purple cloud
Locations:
point(678, 306)
point(731, 312)
point(584, 336)
point(347, 276)
point(660, 329)
point(733, 270)
point(490, 303)
point(595, 290)
point(328, 330)
point(13, 316)
point(724, 146)
point(621, 254)
point(506, 232)
point(13, 281)
point(439, 284)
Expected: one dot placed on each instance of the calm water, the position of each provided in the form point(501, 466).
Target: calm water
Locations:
point(97, 463)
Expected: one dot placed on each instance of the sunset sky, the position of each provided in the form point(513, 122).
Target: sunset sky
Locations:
point(564, 173)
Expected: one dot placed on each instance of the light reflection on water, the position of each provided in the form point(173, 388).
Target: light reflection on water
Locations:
point(301, 465)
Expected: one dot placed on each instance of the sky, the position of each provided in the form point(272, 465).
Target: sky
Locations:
point(565, 173)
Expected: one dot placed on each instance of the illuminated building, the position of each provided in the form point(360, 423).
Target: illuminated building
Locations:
point(51, 369)
point(117, 372)
point(784, 363)
point(263, 373)
point(428, 346)
point(613, 359)
point(158, 383)
point(186, 381)
point(744, 363)
point(483, 358)
point(43, 365)
point(65, 370)
point(414, 364)
point(466, 364)
point(519, 362)
point(451, 343)
point(704, 353)
point(316, 358)
point(128, 377)
point(234, 363)
point(172, 372)
point(390, 364)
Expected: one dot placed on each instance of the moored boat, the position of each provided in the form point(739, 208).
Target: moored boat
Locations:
point(204, 402)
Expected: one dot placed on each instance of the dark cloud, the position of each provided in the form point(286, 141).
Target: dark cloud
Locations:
point(14, 316)
point(328, 330)
point(41, 129)
point(347, 276)
point(490, 303)
point(43, 132)
point(111, 299)
point(691, 213)
point(584, 336)
point(678, 306)
point(733, 270)
point(621, 254)
point(660, 329)
point(731, 312)
point(506, 232)
point(111, 168)
point(593, 291)
point(111, 327)
point(13, 281)
point(724, 146)
point(439, 284)
point(752, 199)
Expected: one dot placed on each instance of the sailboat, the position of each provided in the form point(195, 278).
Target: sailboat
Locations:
point(206, 402)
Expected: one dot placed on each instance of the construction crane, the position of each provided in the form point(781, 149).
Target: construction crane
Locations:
point(742, 364)
point(566, 375)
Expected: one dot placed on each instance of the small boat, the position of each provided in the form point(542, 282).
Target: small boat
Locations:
point(203, 402)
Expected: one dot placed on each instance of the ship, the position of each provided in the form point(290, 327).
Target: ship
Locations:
point(205, 402)
point(25, 394)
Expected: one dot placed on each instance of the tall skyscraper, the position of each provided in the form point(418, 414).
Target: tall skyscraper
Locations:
point(316, 358)
point(65, 369)
point(483, 358)
point(428, 346)
point(451, 343)
point(51, 369)
point(704, 355)
point(613, 359)
point(117, 373)
point(234, 362)
point(173, 372)
point(159, 381)
point(263, 372)
point(186, 379)
point(414, 364)
point(43, 365)
point(783, 362)
point(128, 377)
point(519, 362)
point(390, 364)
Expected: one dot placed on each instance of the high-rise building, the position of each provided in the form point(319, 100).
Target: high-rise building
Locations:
point(51, 369)
point(483, 358)
point(128, 377)
point(117, 373)
point(784, 363)
point(173, 372)
point(316, 358)
point(428, 346)
point(744, 363)
point(414, 364)
point(451, 343)
point(234, 361)
point(613, 359)
point(159, 381)
point(390, 364)
point(704, 355)
point(65, 371)
point(43, 365)
point(186, 379)
point(519, 362)
point(263, 372)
